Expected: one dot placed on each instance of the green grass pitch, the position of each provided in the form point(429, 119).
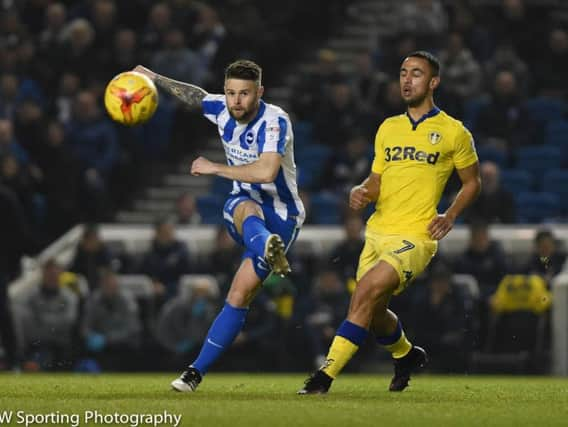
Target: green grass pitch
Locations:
point(258, 400)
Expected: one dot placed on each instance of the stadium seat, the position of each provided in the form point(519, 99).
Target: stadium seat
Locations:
point(492, 154)
point(545, 109)
point(539, 160)
point(210, 208)
point(535, 207)
point(556, 134)
point(516, 180)
point(311, 162)
point(303, 134)
point(472, 108)
point(326, 209)
point(556, 181)
point(221, 186)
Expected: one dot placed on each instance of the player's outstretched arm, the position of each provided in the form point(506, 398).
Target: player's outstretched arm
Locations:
point(189, 94)
point(262, 171)
point(366, 192)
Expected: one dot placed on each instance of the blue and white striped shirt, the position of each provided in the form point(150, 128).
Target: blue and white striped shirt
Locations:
point(269, 131)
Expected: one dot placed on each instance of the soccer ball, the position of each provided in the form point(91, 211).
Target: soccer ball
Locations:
point(131, 98)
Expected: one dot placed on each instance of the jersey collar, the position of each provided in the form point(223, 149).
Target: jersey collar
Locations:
point(259, 114)
point(435, 110)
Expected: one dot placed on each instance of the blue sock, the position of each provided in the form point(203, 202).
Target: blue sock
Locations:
point(221, 335)
point(255, 235)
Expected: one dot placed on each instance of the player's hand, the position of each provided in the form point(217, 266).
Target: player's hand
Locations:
point(146, 71)
point(202, 166)
point(440, 226)
point(359, 197)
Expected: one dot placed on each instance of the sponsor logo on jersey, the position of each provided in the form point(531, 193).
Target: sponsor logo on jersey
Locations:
point(395, 154)
point(249, 137)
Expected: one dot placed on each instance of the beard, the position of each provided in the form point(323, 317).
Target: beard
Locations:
point(415, 101)
point(243, 115)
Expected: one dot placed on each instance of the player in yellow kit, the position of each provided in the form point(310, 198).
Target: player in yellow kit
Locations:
point(415, 153)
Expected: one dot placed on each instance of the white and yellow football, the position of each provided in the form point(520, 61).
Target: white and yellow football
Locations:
point(131, 98)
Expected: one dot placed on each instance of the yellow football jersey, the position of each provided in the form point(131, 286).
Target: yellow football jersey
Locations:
point(415, 160)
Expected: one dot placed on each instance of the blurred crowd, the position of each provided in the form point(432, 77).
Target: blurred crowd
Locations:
point(499, 75)
point(62, 161)
point(61, 156)
point(109, 304)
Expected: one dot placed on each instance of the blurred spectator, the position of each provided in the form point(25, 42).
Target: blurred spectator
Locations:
point(484, 259)
point(424, 19)
point(9, 145)
point(92, 256)
point(441, 321)
point(62, 102)
point(111, 328)
point(186, 210)
point(311, 90)
point(17, 240)
point(349, 166)
point(504, 122)
point(30, 126)
point(207, 34)
point(224, 260)
point(159, 21)
point(467, 19)
point(553, 56)
point(126, 52)
point(322, 312)
point(49, 317)
point(367, 83)
point(24, 184)
point(506, 58)
point(392, 52)
point(9, 90)
point(494, 204)
point(12, 30)
point(184, 321)
point(177, 61)
point(52, 36)
point(461, 73)
point(548, 257)
point(166, 261)
point(345, 256)
point(78, 56)
point(60, 182)
point(337, 120)
point(520, 23)
point(93, 140)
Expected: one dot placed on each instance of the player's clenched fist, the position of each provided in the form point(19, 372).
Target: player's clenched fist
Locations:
point(202, 166)
point(359, 197)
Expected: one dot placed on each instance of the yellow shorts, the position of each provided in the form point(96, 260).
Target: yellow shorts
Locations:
point(409, 255)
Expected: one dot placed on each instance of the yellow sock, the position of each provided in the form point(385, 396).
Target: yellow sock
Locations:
point(340, 352)
point(400, 348)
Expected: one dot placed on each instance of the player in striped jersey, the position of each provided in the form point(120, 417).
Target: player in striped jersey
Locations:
point(263, 212)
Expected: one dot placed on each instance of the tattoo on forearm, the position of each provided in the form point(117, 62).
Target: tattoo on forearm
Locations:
point(185, 92)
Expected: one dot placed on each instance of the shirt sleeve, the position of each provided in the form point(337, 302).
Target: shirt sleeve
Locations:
point(464, 152)
point(212, 106)
point(273, 136)
point(379, 160)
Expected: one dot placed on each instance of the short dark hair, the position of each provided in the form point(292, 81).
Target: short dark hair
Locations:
point(244, 69)
point(432, 60)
